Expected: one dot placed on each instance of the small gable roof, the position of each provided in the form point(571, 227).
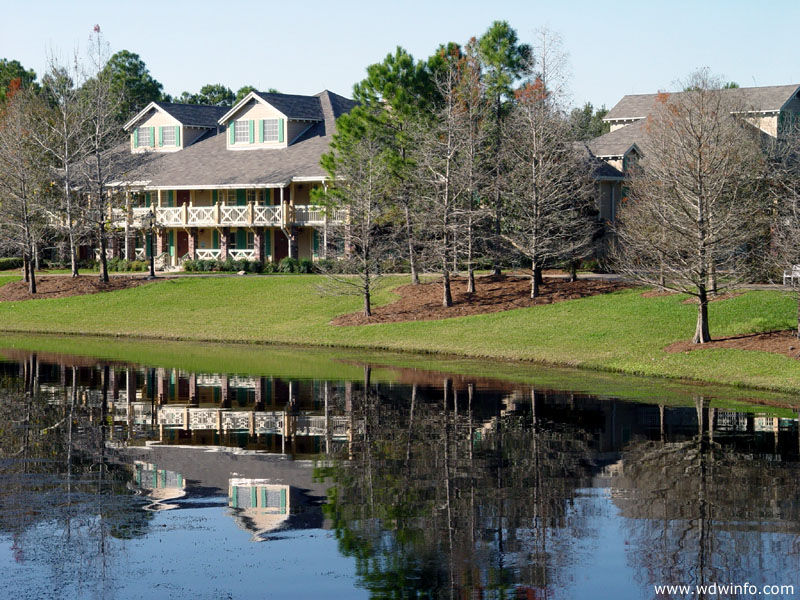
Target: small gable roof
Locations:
point(192, 115)
point(197, 115)
point(758, 99)
point(292, 106)
point(617, 143)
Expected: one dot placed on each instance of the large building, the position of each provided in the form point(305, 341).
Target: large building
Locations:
point(229, 183)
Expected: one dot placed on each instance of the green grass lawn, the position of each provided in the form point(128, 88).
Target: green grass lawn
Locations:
point(616, 332)
point(4, 279)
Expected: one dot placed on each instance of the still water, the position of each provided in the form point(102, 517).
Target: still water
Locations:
point(124, 480)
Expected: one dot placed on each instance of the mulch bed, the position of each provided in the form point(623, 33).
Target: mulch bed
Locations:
point(62, 287)
point(778, 342)
point(423, 302)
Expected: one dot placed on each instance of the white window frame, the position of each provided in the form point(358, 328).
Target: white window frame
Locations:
point(268, 125)
point(241, 131)
point(143, 133)
point(168, 130)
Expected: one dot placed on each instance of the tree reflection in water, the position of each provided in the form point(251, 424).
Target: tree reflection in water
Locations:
point(64, 498)
point(470, 498)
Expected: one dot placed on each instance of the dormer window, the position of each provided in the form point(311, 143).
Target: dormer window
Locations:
point(270, 130)
point(143, 137)
point(241, 131)
point(168, 137)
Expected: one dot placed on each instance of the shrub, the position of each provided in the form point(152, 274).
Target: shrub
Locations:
point(305, 265)
point(7, 264)
point(190, 265)
point(288, 265)
point(139, 265)
point(269, 267)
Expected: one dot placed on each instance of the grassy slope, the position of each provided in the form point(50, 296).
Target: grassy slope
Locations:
point(622, 331)
point(4, 279)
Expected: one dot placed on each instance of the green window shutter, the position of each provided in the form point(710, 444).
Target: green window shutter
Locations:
point(231, 133)
point(241, 239)
point(213, 196)
point(177, 135)
point(171, 253)
point(280, 130)
point(253, 496)
point(252, 130)
point(152, 137)
point(263, 497)
point(169, 198)
point(283, 501)
point(234, 499)
point(215, 239)
point(136, 138)
point(241, 197)
point(267, 242)
point(160, 136)
point(261, 131)
point(315, 239)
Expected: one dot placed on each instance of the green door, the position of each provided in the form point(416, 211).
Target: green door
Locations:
point(241, 197)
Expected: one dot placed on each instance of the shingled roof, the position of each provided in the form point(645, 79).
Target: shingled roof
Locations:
point(197, 115)
point(208, 163)
point(617, 143)
point(294, 106)
point(758, 99)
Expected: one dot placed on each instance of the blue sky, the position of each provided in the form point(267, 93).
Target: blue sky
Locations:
point(304, 47)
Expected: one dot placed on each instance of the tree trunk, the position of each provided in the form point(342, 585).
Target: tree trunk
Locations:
point(367, 306)
point(470, 266)
point(701, 334)
point(447, 296)
point(534, 279)
point(25, 267)
point(573, 270)
point(101, 232)
point(712, 278)
point(537, 274)
point(31, 277)
point(798, 312)
point(412, 263)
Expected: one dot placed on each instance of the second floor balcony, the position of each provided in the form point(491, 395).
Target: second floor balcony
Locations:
point(222, 215)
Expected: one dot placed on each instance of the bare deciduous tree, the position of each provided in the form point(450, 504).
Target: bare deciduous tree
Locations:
point(784, 178)
point(693, 200)
point(357, 166)
point(24, 184)
point(550, 188)
point(60, 130)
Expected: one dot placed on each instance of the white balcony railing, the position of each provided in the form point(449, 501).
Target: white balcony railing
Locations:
point(234, 215)
point(241, 254)
point(267, 215)
point(250, 215)
point(208, 254)
point(200, 216)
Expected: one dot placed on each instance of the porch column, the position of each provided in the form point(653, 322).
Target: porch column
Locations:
point(193, 243)
point(129, 255)
point(258, 242)
point(130, 245)
point(293, 252)
point(226, 386)
point(223, 243)
point(193, 388)
point(161, 242)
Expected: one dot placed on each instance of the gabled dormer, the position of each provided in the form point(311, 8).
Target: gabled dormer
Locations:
point(261, 120)
point(170, 127)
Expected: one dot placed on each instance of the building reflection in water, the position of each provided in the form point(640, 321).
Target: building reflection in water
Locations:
point(439, 483)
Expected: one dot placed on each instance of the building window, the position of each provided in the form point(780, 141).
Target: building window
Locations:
point(168, 136)
point(241, 132)
point(251, 240)
point(251, 196)
point(270, 130)
point(143, 137)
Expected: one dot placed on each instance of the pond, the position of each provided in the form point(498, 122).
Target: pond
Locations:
point(315, 474)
